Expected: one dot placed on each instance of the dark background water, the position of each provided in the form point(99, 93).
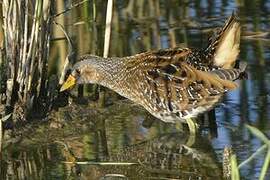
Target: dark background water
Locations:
point(116, 133)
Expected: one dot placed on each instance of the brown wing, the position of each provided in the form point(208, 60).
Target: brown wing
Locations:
point(159, 58)
point(173, 88)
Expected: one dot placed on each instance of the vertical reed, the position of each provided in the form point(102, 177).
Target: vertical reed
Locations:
point(108, 28)
point(3, 119)
point(107, 38)
point(102, 130)
point(26, 46)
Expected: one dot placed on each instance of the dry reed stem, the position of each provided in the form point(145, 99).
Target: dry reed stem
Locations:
point(108, 28)
point(1, 134)
point(3, 119)
point(70, 60)
point(70, 8)
point(106, 43)
point(26, 41)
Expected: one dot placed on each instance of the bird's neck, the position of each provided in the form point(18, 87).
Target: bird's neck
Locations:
point(112, 72)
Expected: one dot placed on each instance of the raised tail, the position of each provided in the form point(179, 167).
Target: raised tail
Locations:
point(224, 44)
point(233, 73)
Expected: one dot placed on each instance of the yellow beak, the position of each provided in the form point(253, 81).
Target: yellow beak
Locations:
point(70, 82)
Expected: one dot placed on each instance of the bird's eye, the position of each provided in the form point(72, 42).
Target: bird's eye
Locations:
point(78, 71)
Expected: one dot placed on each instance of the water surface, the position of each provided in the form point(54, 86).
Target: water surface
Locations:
point(120, 132)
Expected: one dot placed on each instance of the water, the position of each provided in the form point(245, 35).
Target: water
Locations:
point(119, 132)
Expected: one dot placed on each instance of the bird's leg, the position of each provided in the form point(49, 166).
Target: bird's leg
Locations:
point(192, 126)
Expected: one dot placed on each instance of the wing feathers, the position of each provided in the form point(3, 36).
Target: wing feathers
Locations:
point(175, 86)
point(214, 80)
point(185, 88)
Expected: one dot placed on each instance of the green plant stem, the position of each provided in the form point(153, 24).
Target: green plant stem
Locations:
point(259, 151)
point(256, 132)
point(265, 165)
point(234, 169)
point(193, 127)
point(94, 10)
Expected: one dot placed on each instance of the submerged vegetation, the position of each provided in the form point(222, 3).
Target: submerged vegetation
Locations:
point(40, 38)
point(234, 168)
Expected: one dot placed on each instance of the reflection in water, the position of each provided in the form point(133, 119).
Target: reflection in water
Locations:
point(115, 133)
point(156, 152)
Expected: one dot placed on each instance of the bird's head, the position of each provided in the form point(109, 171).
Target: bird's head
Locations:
point(82, 72)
